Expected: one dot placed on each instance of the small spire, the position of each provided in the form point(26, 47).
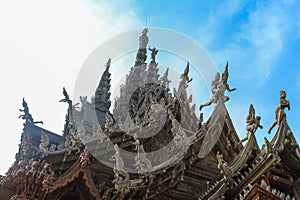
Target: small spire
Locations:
point(102, 93)
point(108, 64)
point(185, 75)
point(164, 81)
point(141, 55)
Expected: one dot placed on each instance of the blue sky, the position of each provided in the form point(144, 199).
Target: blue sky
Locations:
point(43, 45)
point(261, 41)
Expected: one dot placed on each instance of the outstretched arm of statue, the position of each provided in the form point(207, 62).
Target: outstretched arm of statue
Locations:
point(230, 90)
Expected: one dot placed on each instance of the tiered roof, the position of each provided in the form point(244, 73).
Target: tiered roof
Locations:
point(108, 156)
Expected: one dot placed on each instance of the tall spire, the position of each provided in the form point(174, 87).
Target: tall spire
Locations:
point(135, 79)
point(102, 94)
point(141, 55)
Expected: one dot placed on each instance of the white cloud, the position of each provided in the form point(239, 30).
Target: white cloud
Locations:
point(265, 31)
point(209, 30)
point(43, 44)
point(259, 36)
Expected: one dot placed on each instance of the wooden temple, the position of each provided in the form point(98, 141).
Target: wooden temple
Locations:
point(112, 155)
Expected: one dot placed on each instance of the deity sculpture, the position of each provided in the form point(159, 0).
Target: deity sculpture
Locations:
point(218, 88)
point(253, 123)
point(154, 52)
point(279, 111)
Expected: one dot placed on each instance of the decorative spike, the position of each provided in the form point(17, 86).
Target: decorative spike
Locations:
point(250, 169)
point(282, 195)
point(235, 183)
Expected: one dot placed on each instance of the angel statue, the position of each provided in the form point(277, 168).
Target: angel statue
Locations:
point(279, 111)
point(253, 122)
point(218, 88)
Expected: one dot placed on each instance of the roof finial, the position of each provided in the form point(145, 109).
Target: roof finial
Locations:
point(253, 123)
point(185, 75)
point(218, 88)
point(146, 24)
point(279, 111)
point(27, 116)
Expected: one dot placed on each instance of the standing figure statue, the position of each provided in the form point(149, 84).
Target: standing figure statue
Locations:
point(153, 54)
point(218, 88)
point(253, 122)
point(279, 111)
point(143, 40)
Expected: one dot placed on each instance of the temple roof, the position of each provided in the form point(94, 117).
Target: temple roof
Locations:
point(112, 156)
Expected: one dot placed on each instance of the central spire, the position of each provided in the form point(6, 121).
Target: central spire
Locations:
point(142, 52)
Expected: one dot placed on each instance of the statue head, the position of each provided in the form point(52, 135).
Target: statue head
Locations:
point(145, 31)
point(282, 94)
point(217, 77)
